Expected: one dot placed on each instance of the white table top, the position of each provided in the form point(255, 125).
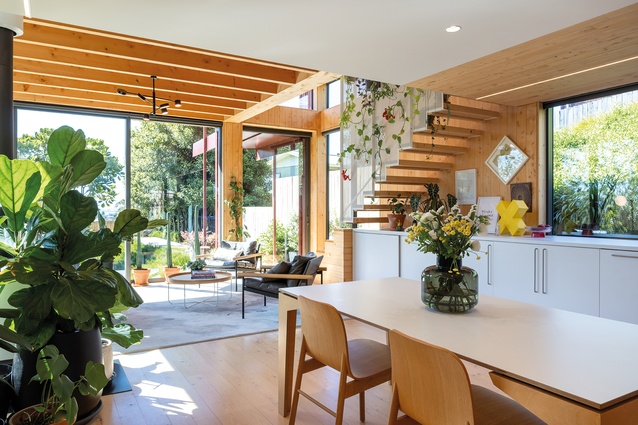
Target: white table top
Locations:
point(585, 358)
point(184, 278)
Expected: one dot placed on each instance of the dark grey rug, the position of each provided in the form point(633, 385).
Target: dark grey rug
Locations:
point(167, 325)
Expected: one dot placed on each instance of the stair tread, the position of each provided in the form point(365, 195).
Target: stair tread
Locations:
point(447, 130)
point(436, 149)
point(392, 193)
point(409, 164)
point(459, 111)
point(369, 220)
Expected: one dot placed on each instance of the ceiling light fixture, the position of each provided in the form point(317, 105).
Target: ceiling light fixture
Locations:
point(453, 28)
point(163, 108)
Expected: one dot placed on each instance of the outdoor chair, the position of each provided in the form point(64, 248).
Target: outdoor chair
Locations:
point(234, 257)
point(300, 272)
point(431, 386)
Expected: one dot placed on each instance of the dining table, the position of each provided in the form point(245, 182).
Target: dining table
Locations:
point(565, 367)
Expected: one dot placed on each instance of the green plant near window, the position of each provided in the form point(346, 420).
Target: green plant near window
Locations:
point(372, 142)
point(397, 205)
point(236, 209)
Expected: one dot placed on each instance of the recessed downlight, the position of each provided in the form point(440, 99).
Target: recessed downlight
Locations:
point(453, 28)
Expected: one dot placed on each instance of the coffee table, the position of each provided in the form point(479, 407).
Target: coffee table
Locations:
point(184, 279)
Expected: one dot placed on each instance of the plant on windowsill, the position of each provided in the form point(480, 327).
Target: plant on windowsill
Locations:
point(236, 209)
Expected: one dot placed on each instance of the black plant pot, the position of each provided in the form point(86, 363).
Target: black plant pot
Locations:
point(6, 392)
point(78, 348)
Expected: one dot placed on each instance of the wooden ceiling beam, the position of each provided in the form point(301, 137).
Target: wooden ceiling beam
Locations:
point(76, 38)
point(132, 82)
point(108, 89)
point(132, 66)
point(306, 85)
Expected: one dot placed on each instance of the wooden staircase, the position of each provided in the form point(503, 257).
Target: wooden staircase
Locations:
point(430, 155)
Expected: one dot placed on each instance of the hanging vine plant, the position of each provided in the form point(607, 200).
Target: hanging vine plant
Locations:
point(372, 141)
point(236, 209)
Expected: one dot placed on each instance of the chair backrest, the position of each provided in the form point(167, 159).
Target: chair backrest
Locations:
point(324, 333)
point(432, 383)
point(308, 265)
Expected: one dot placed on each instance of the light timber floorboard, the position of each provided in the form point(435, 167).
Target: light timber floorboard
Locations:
point(234, 381)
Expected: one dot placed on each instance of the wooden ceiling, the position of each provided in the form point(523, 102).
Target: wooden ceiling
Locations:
point(597, 54)
point(72, 66)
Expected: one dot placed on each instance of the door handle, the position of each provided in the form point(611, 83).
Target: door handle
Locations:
point(489, 264)
point(624, 256)
point(544, 269)
point(536, 270)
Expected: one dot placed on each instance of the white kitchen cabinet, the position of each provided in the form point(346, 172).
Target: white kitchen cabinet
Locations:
point(375, 255)
point(553, 276)
point(483, 267)
point(619, 285)
point(412, 262)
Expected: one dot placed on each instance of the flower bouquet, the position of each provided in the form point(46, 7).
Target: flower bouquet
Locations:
point(448, 286)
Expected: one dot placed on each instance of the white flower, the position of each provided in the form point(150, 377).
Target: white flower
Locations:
point(475, 246)
point(482, 229)
point(435, 224)
point(432, 234)
point(428, 216)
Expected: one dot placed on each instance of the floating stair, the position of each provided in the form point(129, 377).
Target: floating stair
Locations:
point(407, 180)
point(384, 194)
point(436, 149)
point(449, 131)
point(466, 112)
point(411, 164)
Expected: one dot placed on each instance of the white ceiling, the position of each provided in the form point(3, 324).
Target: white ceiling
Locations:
point(396, 41)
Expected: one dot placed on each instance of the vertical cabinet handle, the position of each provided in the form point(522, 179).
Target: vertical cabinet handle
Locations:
point(489, 264)
point(536, 270)
point(544, 268)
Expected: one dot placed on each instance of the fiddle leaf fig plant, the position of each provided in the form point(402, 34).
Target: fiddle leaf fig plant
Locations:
point(53, 248)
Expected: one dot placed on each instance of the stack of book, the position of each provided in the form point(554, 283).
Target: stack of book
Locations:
point(202, 274)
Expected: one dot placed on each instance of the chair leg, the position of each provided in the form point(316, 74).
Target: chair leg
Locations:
point(394, 406)
point(264, 301)
point(341, 398)
point(242, 300)
point(362, 406)
point(295, 391)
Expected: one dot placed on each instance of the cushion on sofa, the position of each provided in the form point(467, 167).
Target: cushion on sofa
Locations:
point(281, 268)
point(298, 266)
point(226, 254)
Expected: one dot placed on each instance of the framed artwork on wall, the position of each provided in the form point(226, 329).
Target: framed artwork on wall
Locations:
point(506, 160)
point(487, 206)
point(522, 192)
point(466, 187)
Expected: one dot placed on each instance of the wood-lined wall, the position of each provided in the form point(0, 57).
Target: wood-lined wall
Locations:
point(521, 125)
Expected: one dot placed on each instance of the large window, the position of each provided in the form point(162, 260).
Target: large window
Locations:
point(333, 140)
point(593, 164)
point(334, 93)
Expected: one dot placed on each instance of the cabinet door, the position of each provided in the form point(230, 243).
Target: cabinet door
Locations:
point(516, 269)
point(375, 255)
point(570, 279)
point(412, 261)
point(483, 267)
point(619, 285)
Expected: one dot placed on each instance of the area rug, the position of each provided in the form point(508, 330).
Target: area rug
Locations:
point(171, 324)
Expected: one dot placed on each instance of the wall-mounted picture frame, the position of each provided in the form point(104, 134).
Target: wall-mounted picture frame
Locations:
point(522, 192)
point(487, 206)
point(465, 181)
point(506, 160)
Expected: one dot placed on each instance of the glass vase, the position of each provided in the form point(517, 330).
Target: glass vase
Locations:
point(447, 290)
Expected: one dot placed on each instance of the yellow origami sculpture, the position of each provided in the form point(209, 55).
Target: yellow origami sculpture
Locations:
point(511, 217)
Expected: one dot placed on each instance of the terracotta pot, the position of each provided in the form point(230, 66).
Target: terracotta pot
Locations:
point(21, 416)
point(141, 276)
point(394, 219)
point(168, 271)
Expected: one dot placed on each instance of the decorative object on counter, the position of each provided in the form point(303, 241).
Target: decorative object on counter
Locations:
point(511, 213)
point(506, 160)
point(539, 231)
point(203, 274)
point(447, 286)
point(396, 218)
point(522, 192)
point(487, 206)
point(466, 186)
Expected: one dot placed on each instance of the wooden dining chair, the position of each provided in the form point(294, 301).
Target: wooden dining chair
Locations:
point(362, 363)
point(431, 386)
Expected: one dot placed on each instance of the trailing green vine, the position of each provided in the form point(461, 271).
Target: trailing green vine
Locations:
point(236, 209)
point(372, 142)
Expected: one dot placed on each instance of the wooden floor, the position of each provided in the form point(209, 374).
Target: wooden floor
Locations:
point(233, 381)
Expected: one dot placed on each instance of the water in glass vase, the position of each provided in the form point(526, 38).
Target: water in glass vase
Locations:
point(448, 289)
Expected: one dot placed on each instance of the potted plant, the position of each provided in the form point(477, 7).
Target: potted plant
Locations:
point(53, 248)
point(58, 405)
point(169, 269)
point(396, 218)
point(197, 264)
point(236, 209)
point(140, 274)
